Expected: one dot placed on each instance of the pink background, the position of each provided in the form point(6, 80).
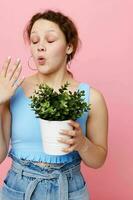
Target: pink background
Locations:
point(105, 62)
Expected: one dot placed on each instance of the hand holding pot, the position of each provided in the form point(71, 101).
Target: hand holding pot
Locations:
point(77, 138)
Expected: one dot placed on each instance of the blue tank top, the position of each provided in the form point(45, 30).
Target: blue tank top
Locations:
point(26, 140)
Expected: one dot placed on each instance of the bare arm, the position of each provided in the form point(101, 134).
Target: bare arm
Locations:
point(94, 150)
point(8, 85)
point(5, 121)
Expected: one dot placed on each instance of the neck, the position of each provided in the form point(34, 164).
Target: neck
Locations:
point(53, 80)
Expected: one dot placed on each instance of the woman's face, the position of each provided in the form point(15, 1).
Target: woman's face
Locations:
point(48, 46)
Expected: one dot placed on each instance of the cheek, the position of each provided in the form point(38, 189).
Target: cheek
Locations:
point(59, 50)
point(32, 50)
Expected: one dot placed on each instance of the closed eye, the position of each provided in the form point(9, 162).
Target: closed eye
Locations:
point(51, 41)
point(34, 42)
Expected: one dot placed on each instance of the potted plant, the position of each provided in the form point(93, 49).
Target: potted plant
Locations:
point(54, 109)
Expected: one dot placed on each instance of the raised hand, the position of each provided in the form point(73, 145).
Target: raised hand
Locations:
point(9, 79)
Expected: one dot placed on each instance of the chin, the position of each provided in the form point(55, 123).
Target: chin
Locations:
point(44, 70)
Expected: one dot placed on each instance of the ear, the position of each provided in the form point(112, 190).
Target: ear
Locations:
point(69, 49)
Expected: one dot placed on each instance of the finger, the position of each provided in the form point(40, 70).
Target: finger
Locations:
point(5, 66)
point(70, 133)
point(18, 83)
point(74, 124)
point(70, 141)
point(68, 149)
point(16, 75)
point(12, 70)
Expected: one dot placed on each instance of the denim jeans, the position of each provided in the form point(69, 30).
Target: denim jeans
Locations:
point(28, 181)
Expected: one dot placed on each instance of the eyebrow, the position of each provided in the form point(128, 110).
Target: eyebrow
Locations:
point(51, 30)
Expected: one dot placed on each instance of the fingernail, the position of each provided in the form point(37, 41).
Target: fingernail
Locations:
point(9, 57)
point(18, 59)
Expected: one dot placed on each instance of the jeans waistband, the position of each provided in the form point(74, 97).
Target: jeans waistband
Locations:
point(61, 172)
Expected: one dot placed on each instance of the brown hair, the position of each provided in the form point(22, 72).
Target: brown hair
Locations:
point(65, 24)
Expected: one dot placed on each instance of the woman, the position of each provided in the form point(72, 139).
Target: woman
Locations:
point(53, 41)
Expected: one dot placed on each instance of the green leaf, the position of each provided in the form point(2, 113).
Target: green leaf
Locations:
point(63, 105)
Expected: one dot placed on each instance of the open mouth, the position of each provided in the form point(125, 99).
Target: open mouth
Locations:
point(41, 60)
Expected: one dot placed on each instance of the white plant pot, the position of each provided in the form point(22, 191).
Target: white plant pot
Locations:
point(50, 135)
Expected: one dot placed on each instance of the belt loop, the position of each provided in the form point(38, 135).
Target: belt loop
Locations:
point(20, 172)
point(71, 174)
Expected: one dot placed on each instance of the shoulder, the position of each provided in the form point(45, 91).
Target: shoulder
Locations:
point(95, 95)
point(97, 101)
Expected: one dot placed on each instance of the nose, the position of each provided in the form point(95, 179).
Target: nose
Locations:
point(41, 48)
